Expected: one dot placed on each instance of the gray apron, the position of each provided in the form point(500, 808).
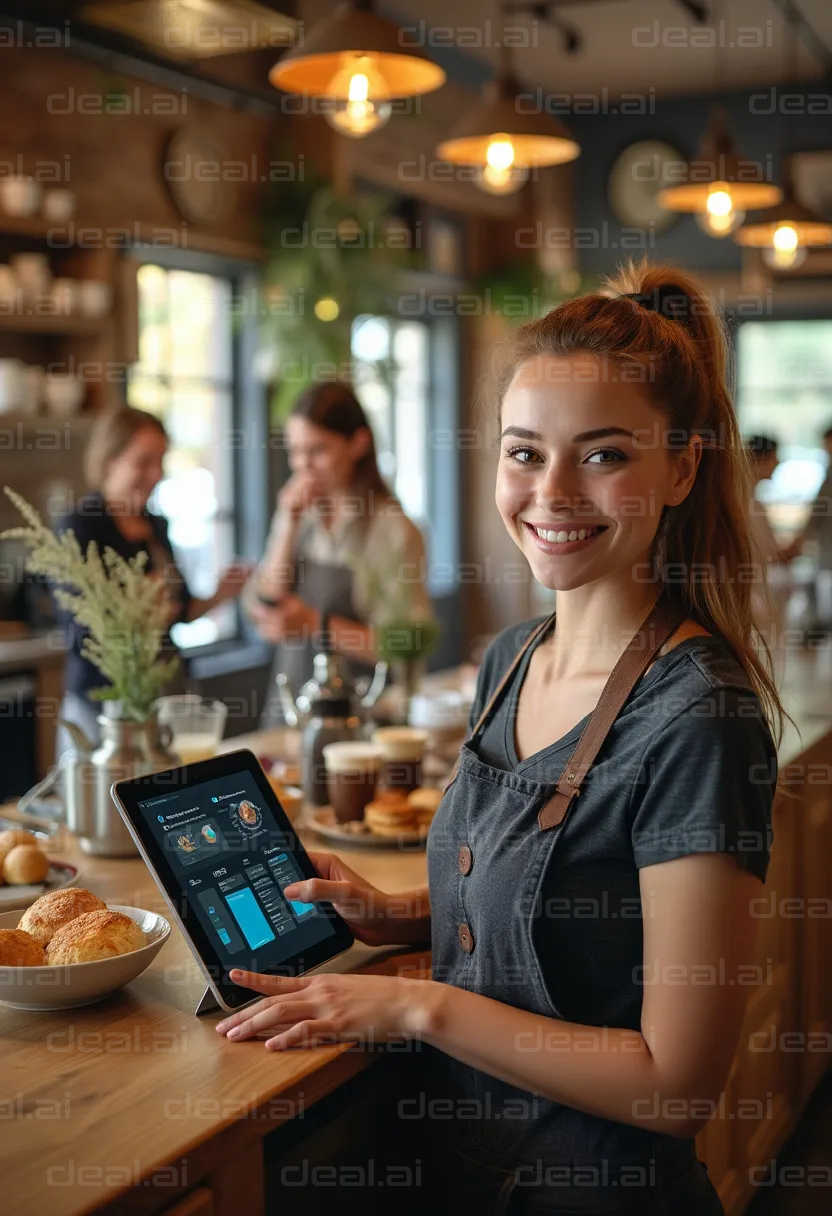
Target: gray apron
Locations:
point(491, 841)
point(328, 588)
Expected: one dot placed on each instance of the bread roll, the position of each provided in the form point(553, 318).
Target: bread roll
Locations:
point(94, 936)
point(389, 818)
point(25, 863)
point(47, 914)
point(4, 852)
point(13, 836)
point(18, 949)
point(424, 803)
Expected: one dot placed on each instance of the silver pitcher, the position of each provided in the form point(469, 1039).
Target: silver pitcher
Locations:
point(127, 749)
point(327, 710)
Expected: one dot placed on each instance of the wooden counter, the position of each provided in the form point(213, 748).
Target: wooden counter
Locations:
point(136, 1106)
point(138, 1093)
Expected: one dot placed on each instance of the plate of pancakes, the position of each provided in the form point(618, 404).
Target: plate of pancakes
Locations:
point(26, 872)
point(69, 948)
point(394, 819)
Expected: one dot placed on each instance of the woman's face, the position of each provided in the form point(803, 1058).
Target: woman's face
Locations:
point(132, 476)
point(328, 458)
point(583, 452)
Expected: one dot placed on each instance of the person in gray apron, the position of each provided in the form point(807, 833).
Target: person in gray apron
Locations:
point(338, 546)
point(565, 854)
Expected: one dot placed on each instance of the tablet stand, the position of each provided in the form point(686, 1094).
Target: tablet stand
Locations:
point(207, 1004)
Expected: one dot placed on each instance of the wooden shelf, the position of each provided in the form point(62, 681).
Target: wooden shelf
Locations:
point(37, 226)
point(38, 323)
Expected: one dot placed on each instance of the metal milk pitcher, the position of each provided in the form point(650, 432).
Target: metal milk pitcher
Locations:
point(127, 749)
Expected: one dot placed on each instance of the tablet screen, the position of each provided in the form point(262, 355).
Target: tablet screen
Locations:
point(229, 858)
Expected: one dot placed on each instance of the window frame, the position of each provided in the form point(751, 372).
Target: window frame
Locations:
point(249, 421)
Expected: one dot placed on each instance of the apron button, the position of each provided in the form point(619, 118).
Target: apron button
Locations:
point(466, 939)
point(466, 859)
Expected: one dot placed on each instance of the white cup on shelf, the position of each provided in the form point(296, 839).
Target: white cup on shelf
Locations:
point(65, 296)
point(32, 273)
point(34, 388)
point(12, 386)
point(95, 297)
point(58, 205)
point(20, 196)
point(64, 394)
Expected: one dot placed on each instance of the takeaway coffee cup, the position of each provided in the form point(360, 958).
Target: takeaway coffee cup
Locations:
point(402, 750)
point(352, 771)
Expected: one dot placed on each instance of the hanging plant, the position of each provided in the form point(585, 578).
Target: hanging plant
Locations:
point(331, 259)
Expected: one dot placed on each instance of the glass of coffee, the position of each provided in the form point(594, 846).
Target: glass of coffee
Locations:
point(352, 771)
point(402, 750)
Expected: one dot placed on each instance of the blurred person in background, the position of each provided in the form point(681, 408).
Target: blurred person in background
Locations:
point(123, 466)
point(769, 611)
point(339, 544)
point(817, 535)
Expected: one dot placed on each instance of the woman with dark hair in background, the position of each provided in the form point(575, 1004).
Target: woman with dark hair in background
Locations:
point(123, 466)
point(339, 544)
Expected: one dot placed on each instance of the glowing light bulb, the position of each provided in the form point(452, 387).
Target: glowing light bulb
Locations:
point(359, 98)
point(500, 174)
point(785, 239)
point(720, 218)
point(719, 203)
point(327, 309)
point(786, 252)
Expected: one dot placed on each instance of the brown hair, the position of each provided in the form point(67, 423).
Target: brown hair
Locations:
point(335, 407)
point(112, 433)
point(705, 554)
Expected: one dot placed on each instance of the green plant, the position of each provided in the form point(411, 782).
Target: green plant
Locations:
point(125, 610)
point(345, 251)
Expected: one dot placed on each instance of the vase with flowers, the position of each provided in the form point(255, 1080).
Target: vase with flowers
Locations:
point(125, 613)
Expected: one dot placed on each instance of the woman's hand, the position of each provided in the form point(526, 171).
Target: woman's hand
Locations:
point(319, 1010)
point(293, 617)
point(374, 917)
point(296, 496)
point(231, 581)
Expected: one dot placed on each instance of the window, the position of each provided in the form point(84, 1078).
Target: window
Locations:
point(784, 389)
point(392, 377)
point(185, 376)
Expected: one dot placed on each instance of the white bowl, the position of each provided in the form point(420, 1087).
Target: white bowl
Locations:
point(49, 988)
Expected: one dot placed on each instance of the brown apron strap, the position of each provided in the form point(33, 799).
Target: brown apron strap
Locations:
point(533, 636)
point(663, 620)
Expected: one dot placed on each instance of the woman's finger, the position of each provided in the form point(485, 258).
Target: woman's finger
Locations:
point(311, 1033)
point(277, 1016)
point(269, 985)
point(312, 890)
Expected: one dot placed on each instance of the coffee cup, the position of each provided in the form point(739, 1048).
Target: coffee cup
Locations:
point(352, 771)
point(402, 750)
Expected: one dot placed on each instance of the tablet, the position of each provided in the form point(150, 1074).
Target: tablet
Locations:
point(221, 850)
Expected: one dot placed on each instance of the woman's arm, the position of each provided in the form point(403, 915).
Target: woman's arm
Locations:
point(699, 964)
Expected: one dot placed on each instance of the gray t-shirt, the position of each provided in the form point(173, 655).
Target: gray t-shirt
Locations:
point(688, 767)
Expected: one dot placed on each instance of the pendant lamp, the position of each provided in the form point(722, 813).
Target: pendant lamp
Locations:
point(718, 186)
point(504, 140)
point(786, 231)
point(357, 61)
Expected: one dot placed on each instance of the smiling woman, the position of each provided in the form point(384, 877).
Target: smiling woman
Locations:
point(604, 833)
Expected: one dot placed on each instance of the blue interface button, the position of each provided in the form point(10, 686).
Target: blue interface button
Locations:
point(301, 909)
point(224, 938)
